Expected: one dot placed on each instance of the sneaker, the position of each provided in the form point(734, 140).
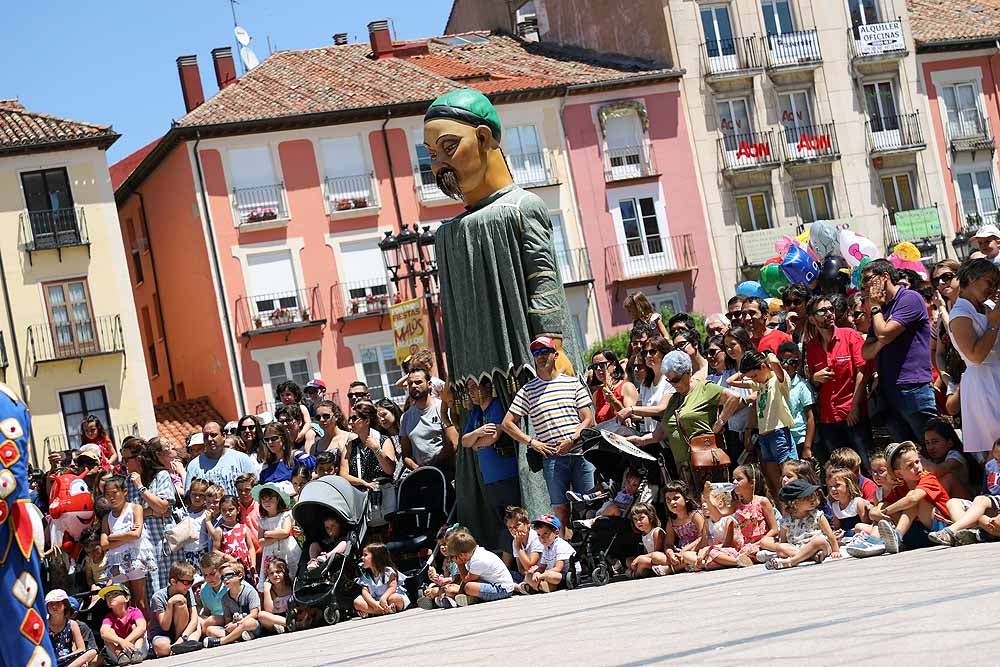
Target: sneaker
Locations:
point(967, 536)
point(211, 642)
point(889, 535)
point(425, 602)
point(764, 556)
point(581, 524)
point(661, 570)
point(447, 603)
point(246, 636)
point(575, 497)
point(945, 537)
point(463, 600)
point(744, 561)
point(617, 568)
point(864, 549)
point(522, 588)
point(279, 629)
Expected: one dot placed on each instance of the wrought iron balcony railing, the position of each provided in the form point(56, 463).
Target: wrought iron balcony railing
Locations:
point(792, 49)
point(530, 169)
point(574, 266)
point(810, 143)
point(890, 134)
point(279, 311)
point(622, 164)
point(348, 193)
point(75, 339)
point(650, 256)
point(748, 152)
point(260, 204)
point(733, 56)
point(360, 298)
point(53, 229)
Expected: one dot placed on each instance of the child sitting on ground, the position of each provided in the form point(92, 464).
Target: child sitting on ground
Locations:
point(848, 459)
point(880, 475)
point(805, 532)
point(173, 616)
point(123, 629)
point(380, 584)
point(277, 593)
point(685, 529)
point(211, 591)
point(551, 570)
point(67, 638)
point(526, 546)
point(95, 562)
point(804, 470)
point(240, 609)
point(447, 580)
point(753, 512)
point(654, 540)
point(991, 481)
point(332, 543)
point(850, 510)
point(725, 538)
point(485, 577)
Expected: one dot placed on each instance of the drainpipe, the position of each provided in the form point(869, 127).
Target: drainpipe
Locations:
point(17, 355)
point(227, 325)
point(156, 290)
point(392, 175)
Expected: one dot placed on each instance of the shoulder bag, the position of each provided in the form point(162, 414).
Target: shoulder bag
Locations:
point(706, 452)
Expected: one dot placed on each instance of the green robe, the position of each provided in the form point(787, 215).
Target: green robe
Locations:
point(500, 288)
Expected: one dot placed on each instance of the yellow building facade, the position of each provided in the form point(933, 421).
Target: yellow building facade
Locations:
point(70, 342)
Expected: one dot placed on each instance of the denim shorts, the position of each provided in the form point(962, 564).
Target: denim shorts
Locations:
point(488, 592)
point(776, 446)
point(565, 473)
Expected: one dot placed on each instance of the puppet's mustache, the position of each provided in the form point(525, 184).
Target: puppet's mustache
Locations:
point(447, 182)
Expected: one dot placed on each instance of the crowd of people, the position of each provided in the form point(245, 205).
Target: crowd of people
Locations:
point(838, 423)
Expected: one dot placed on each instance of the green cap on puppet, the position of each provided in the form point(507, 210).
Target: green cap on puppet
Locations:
point(466, 106)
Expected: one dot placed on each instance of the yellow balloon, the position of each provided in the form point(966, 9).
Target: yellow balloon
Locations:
point(803, 237)
point(907, 251)
point(774, 305)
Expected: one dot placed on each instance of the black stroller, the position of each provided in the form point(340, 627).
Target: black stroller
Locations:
point(330, 587)
point(606, 542)
point(421, 510)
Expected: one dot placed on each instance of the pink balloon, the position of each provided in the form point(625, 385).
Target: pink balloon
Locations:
point(782, 245)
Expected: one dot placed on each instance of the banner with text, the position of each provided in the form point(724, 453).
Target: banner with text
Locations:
point(920, 223)
point(409, 330)
point(877, 38)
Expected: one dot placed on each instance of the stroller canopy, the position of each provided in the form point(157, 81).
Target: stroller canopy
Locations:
point(331, 493)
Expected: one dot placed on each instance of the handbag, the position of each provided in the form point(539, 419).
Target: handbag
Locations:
point(706, 452)
point(183, 530)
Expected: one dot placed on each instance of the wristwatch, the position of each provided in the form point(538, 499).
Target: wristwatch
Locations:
point(876, 310)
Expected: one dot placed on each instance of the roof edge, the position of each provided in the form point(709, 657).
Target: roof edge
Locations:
point(102, 141)
point(961, 43)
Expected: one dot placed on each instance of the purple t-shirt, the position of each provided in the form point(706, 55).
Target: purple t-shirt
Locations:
point(907, 359)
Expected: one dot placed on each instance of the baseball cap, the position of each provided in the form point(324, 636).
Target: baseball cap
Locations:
point(987, 232)
point(542, 343)
point(316, 384)
point(86, 453)
point(549, 520)
point(795, 489)
point(56, 595)
point(112, 589)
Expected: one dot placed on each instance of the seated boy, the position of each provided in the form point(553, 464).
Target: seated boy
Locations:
point(526, 546)
point(123, 629)
point(848, 459)
point(211, 591)
point(240, 607)
point(550, 572)
point(485, 576)
point(173, 618)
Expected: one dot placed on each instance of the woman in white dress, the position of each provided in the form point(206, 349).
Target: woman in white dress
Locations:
point(974, 327)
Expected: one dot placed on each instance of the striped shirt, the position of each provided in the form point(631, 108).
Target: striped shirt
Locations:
point(552, 406)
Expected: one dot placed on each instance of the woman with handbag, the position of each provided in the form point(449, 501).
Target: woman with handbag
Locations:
point(369, 457)
point(495, 450)
point(696, 413)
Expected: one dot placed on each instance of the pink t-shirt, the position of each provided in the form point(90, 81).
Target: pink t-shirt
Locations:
point(123, 626)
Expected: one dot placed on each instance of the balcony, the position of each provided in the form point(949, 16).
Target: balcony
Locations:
point(630, 162)
point(74, 340)
point(427, 190)
point(262, 206)
point(969, 133)
point(64, 443)
point(876, 47)
point(360, 298)
point(351, 196)
point(574, 266)
point(731, 61)
point(791, 54)
point(895, 134)
point(280, 311)
point(650, 256)
point(53, 229)
point(809, 144)
point(749, 152)
point(530, 170)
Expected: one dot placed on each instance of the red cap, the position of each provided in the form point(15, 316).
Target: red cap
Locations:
point(316, 384)
point(541, 343)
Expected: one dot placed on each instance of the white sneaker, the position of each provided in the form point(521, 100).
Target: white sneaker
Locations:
point(446, 602)
point(661, 570)
point(425, 602)
point(279, 629)
point(463, 600)
point(864, 549)
point(764, 556)
point(889, 535)
point(246, 636)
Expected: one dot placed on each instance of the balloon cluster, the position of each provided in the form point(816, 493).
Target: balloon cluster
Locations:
point(823, 255)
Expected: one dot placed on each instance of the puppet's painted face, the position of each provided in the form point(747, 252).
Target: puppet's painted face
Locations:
point(458, 155)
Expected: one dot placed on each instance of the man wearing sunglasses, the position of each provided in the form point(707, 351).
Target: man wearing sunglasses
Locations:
point(754, 320)
point(559, 408)
point(793, 300)
point(358, 391)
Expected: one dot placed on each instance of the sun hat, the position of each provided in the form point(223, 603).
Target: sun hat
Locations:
point(276, 488)
point(795, 489)
point(112, 589)
point(56, 595)
point(550, 520)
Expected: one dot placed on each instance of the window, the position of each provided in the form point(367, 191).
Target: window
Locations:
point(362, 265)
point(347, 176)
point(734, 120)
point(147, 331)
point(623, 137)
point(524, 154)
point(880, 101)
point(257, 194)
point(961, 101)
point(718, 31)
point(753, 211)
point(898, 193)
point(863, 12)
point(49, 201)
point(378, 364)
point(777, 17)
point(296, 370)
point(566, 260)
point(76, 405)
point(251, 167)
point(134, 250)
point(814, 204)
point(426, 183)
point(526, 11)
point(156, 314)
point(795, 113)
point(70, 318)
point(976, 190)
point(271, 281)
point(641, 227)
point(666, 302)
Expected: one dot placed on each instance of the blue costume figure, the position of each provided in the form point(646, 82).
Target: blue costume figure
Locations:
point(24, 638)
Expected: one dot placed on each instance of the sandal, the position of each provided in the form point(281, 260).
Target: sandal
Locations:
point(744, 561)
point(779, 564)
point(819, 557)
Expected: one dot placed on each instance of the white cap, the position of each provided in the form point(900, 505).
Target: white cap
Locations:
point(987, 232)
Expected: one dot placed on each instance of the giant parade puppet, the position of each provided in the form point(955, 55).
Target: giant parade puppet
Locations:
point(499, 281)
point(24, 639)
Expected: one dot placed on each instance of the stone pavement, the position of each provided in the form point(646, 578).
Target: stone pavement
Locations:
point(930, 607)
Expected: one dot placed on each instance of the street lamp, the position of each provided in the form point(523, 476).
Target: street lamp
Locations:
point(928, 251)
point(390, 253)
point(961, 245)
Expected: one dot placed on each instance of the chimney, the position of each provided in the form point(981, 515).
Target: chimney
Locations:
point(381, 40)
point(187, 70)
point(340, 38)
point(225, 67)
point(528, 29)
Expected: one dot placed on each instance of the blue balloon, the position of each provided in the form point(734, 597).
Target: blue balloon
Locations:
point(799, 266)
point(751, 288)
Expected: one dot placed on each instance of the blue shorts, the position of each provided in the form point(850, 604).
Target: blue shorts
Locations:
point(565, 473)
point(488, 592)
point(776, 446)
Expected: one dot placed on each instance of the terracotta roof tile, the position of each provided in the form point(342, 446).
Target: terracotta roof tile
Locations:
point(20, 128)
point(179, 419)
point(954, 20)
point(346, 77)
point(123, 168)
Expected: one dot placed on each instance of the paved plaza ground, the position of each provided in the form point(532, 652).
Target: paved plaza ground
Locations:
point(930, 607)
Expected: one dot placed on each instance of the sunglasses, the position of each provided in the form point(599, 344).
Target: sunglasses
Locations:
point(651, 352)
point(773, 325)
point(675, 380)
point(791, 361)
point(822, 312)
point(943, 278)
point(357, 394)
point(229, 431)
point(542, 351)
point(186, 582)
point(229, 575)
point(681, 345)
point(857, 313)
point(792, 303)
point(324, 416)
point(713, 351)
point(248, 427)
point(354, 418)
point(598, 365)
point(734, 314)
point(274, 438)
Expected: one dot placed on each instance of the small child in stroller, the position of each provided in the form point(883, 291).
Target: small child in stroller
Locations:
point(620, 504)
point(331, 544)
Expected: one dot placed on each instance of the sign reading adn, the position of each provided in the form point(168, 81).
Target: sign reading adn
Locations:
point(409, 331)
point(917, 224)
point(877, 38)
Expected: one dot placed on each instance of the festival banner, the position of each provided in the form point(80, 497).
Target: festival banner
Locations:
point(409, 329)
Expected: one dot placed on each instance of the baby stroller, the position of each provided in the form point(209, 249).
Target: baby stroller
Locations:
point(421, 509)
point(608, 540)
point(331, 586)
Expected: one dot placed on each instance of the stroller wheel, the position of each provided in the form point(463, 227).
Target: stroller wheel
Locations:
point(570, 579)
point(331, 615)
point(601, 575)
point(290, 625)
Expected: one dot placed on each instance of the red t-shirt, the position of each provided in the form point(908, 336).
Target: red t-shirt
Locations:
point(843, 357)
point(869, 489)
point(771, 341)
point(931, 485)
point(603, 409)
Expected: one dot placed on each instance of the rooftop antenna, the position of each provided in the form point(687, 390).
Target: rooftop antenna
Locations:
point(243, 39)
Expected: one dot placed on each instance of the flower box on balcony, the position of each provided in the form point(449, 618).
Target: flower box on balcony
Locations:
point(262, 215)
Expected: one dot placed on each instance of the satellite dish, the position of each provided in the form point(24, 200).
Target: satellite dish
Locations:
point(242, 36)
point(248, 57)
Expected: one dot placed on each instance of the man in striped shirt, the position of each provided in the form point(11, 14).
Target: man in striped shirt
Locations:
point(559, 408)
